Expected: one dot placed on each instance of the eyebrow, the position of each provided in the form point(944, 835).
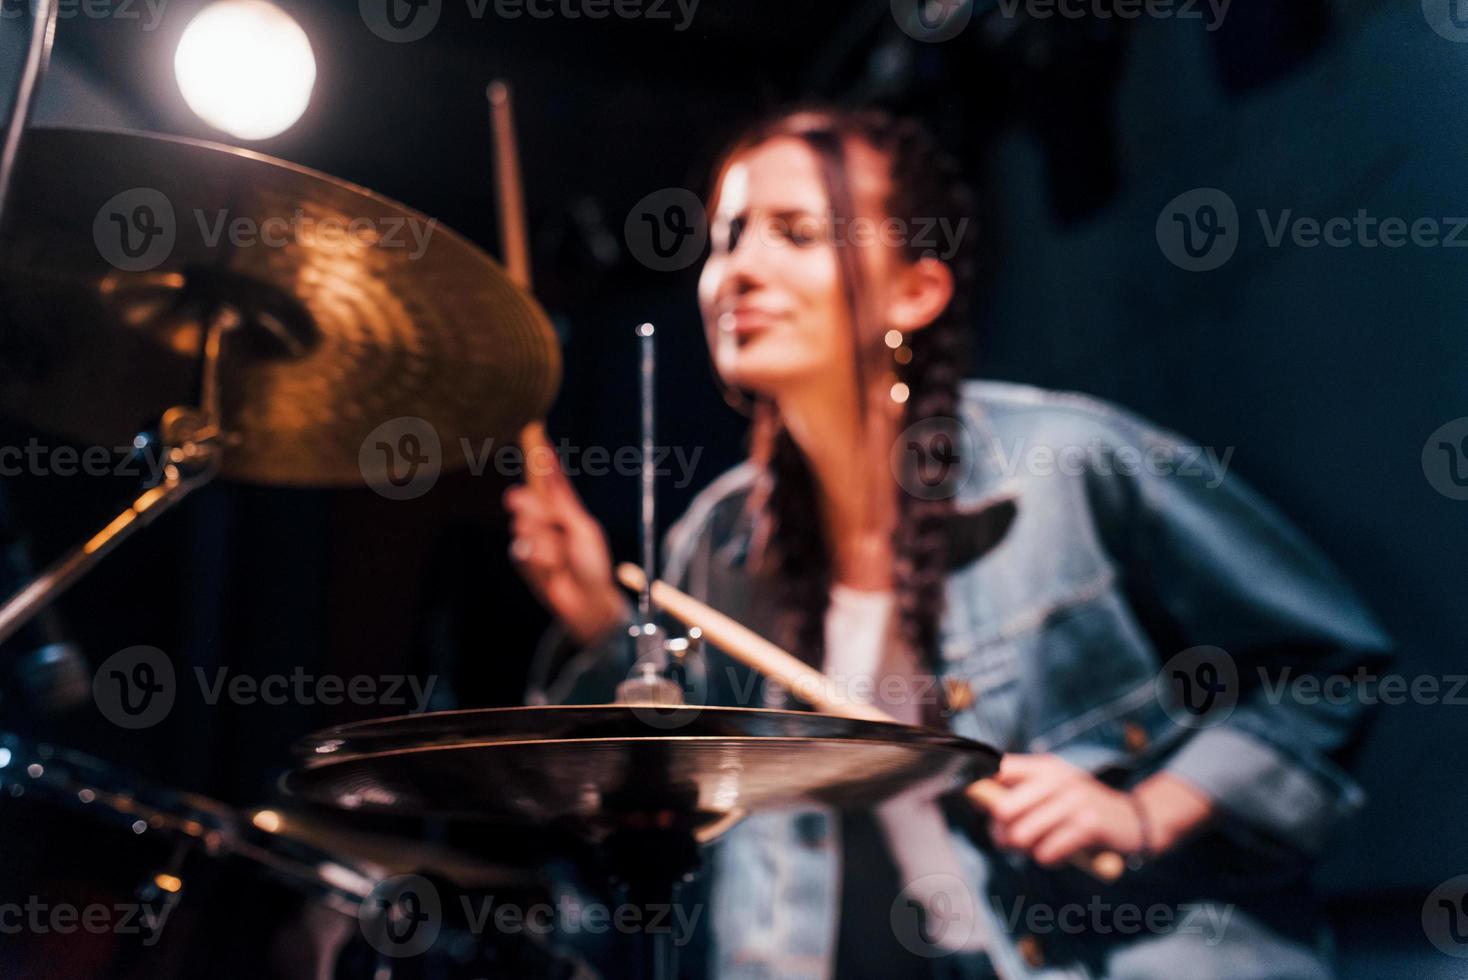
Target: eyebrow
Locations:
point(788, 214)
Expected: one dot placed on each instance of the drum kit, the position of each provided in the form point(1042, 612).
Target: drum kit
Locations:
point(122, 322)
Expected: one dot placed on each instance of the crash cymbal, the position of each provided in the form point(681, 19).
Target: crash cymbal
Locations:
point(354, 310)
point(381, 855)
point(602, 768)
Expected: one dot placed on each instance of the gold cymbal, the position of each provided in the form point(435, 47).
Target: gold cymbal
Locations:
point(355, 312)
point(597, 769)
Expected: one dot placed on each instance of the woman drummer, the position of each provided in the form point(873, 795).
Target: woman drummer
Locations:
point(1041, 571)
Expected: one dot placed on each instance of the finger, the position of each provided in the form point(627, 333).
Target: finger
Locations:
point(1065, 842)
point(1015, 768)
point(543, 471)
point(1029, 829)
point(535, 560)
point(1023, 797)
point(530, 505)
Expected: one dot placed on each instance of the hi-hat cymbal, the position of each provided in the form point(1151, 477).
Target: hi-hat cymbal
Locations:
point(602, 768)
point(356, 311)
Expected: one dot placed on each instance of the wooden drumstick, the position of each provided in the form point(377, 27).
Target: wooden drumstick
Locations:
point(509, 193)
point(810, 685)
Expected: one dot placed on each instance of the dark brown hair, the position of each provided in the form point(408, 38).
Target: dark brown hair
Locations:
point(791, 541)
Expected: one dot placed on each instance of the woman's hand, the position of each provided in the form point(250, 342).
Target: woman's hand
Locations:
point(559, 549)
point(1053, 810)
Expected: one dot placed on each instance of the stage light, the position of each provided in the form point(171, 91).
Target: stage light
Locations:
point(245, 67)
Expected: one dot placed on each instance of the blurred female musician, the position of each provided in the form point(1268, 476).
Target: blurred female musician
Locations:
point(1042, 555)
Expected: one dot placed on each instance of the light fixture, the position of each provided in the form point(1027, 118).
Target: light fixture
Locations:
point(245, 67)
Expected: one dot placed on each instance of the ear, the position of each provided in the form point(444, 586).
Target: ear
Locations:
point(920, 293)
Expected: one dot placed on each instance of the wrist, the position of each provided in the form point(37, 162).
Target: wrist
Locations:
point(1171, 810)
point(1145, 849)
point(597, 618)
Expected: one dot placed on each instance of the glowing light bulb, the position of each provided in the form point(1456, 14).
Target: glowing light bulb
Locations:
point(245, 67)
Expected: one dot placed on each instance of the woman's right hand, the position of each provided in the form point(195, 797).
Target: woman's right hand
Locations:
point(560, 549)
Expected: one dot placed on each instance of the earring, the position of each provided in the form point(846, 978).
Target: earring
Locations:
point(901, 356)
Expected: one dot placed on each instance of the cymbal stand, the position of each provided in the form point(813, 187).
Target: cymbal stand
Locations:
point(192, 442)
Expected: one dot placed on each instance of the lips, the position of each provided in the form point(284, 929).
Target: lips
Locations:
point(749, 320)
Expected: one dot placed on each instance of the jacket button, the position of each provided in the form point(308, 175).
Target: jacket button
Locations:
point(1134, 736)
point(1030, 951)
point(957, 695)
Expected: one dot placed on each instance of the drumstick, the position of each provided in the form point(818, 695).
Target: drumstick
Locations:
point(810, 685)
point(510, 194)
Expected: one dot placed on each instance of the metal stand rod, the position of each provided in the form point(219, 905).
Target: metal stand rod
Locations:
point(192, 442)
point(649, 470)
point(19, 608)
point(38, 57)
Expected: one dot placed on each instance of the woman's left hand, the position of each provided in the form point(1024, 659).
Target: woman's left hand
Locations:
point(1053, 810)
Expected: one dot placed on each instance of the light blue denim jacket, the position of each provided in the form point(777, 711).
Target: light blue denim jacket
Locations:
point(1088, 550)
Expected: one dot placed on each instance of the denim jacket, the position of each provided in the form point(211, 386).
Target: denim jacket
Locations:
point(1106, 582)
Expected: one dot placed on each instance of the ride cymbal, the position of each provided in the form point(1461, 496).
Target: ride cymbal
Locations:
point(354, 311)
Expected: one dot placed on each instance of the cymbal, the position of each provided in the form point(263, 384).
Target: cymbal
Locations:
point(355, 310)
point(310, 852)
point(75, 781)
point(601, 768)
point(380, 855)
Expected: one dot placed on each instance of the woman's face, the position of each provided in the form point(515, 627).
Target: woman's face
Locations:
point(771, 292)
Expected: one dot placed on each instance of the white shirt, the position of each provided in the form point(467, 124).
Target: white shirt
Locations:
point(865, 663)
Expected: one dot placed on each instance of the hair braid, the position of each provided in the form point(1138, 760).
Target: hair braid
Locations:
point(791, 543)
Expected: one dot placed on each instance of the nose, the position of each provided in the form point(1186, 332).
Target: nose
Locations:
point(744, 267)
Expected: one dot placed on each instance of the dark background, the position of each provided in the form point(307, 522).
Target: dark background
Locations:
point(1325, 369)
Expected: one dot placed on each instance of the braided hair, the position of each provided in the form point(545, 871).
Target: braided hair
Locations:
point(790, 545)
